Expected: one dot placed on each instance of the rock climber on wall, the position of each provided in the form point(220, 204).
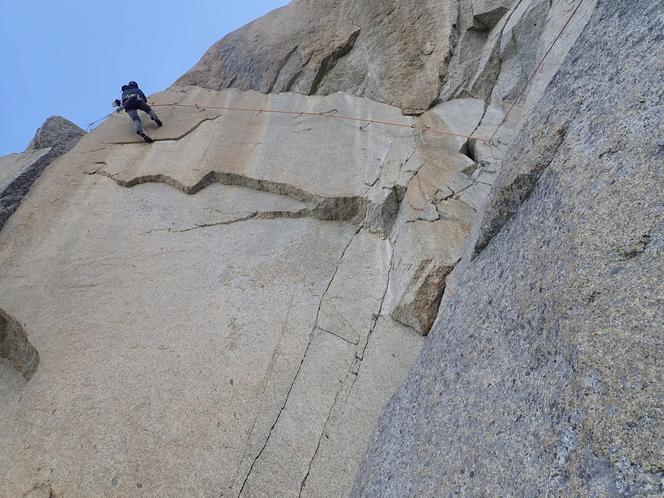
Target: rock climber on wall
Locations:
point(134, 99)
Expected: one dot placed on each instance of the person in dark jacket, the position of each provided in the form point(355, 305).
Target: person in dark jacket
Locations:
point(134, 99)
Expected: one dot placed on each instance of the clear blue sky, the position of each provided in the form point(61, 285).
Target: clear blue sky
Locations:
point(70, 57)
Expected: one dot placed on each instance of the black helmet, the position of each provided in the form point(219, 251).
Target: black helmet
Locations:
point(132, 84)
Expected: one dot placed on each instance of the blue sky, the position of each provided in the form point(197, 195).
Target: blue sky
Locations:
point(70, 57)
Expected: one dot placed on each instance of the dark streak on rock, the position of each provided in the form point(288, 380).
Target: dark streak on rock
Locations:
point(507, 198)
point(15, 346)
point(323, 208)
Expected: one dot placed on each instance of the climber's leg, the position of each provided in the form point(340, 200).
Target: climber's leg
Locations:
point(153, 115)
point(133, 114)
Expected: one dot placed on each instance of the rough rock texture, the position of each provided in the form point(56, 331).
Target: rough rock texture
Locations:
point(227, 310)
point(493, 65)
point(16, 348)
point(542, 376)
point(389, 51)
point(56, 133)
point(418, 306)
point(19, 171)
point(213, 311)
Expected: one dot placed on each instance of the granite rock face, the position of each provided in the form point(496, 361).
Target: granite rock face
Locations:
point(489, 12)
point(227, 311)
point(213, 311)
point(58, 134)
point(394, 52)
point(542, 374)
point(18, 172)
point(419, 304)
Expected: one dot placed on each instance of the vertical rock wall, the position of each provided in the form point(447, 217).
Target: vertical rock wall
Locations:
point(227, 310)
point(543, 373)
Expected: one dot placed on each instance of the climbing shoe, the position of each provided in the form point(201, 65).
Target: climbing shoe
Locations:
point(145, 137)
point(157, 121)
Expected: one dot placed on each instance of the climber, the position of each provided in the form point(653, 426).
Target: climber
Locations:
point(134, 99)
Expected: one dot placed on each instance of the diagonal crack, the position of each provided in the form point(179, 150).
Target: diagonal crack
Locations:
point(380, 310)
point(282, 63)
point(266, 381)
point(337, 336)
point(353, 374)
point(256, 215)
point(320, 438)
point(508, 198)
point(328, 63)
point(640, 245)
point(173, 139)
point(297, 373)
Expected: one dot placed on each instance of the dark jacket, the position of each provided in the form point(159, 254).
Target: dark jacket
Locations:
point(131, 96)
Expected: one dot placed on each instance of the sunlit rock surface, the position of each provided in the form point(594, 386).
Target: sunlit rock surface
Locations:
point(226, 312)
point(389, 51)
point(211, 310)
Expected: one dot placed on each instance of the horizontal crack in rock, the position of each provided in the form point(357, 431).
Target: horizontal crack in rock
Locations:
point(344, 208)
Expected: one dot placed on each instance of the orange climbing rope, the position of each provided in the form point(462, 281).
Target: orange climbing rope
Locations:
point(327, 114)
point(537, 68)
point(332, 114)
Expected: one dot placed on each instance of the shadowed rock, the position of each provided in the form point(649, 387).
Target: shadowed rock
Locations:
point(489, 12)
point(418, 306)
point(15, 346)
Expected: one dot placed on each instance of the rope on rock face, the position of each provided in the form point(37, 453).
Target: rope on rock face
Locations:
point(327, 114)
point(94, 124)
point(537, 68)
point(332, 113)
